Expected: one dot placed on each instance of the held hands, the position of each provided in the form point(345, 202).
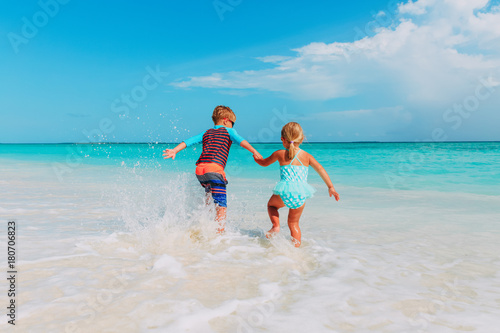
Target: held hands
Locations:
point(331, 191)
point(257, 156)
point(169, 153)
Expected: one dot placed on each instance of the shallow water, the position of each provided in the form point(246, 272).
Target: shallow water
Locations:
point(111, 238)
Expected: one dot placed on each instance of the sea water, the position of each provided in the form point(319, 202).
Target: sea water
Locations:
point(112, 238)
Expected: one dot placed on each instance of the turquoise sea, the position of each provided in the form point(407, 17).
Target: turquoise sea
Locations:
point(112, 238)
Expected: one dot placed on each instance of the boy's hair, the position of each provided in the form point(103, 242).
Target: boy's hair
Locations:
point(292, 133)
point(221, 112)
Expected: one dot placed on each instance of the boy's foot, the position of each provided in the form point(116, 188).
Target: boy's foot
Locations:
point(271, 233)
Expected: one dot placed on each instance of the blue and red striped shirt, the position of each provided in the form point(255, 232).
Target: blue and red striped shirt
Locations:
point(216, 144)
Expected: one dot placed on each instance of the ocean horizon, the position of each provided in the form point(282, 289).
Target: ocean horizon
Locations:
point(252, 142)
point(114, 236)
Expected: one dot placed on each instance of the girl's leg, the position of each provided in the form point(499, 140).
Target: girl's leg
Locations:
point(273, 205)
point(293, 224)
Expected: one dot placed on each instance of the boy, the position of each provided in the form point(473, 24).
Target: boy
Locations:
point(210, 166)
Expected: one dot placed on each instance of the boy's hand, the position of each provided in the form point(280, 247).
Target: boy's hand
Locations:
point(331, 191)
point(257, 156)
point(169, 153)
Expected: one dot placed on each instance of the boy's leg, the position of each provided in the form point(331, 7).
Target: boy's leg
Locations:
point(221, 218)
point(220, 199)
point(208, 197)
point(293, 224)
point(273, 205)
point(215, 183)
point(204, 182)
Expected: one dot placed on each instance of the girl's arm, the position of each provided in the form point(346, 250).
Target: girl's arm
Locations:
point(322, 172)
point(268, 161)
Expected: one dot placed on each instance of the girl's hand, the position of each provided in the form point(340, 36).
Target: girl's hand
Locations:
point(169, 153)
point(331, 191)
point(257, 156)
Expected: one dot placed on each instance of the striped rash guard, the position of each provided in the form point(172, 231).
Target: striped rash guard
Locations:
point(216, 144)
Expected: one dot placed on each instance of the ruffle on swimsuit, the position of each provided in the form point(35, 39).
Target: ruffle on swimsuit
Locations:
point(293, 187)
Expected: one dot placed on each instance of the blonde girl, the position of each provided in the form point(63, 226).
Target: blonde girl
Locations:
point(292, 190)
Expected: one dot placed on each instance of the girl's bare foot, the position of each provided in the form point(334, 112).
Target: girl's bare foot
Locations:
point(272, 232)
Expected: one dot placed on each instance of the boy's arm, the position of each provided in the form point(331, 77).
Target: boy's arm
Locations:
point(170, 153)
point(322, 172)
point(268, 161)
point(251, 149)
point(235, 137)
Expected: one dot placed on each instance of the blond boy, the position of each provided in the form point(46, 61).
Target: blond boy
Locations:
point(210, 166)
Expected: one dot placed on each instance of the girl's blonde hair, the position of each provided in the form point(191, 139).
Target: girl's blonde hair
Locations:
point(292, 133)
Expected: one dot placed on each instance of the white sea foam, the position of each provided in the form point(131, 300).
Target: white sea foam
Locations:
point(130, 253)
point(170, 265)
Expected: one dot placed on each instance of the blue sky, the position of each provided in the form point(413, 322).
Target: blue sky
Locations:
point(80, 71)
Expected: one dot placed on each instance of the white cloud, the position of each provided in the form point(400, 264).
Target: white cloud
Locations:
point(414, 8)
point(432, 50)
point(432, 55)
point(273, 59)
point(306, 80)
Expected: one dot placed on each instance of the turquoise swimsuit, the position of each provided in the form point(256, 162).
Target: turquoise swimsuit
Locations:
point(293, 187)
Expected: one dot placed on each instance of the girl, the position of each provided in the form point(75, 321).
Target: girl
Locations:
point(293, 189)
